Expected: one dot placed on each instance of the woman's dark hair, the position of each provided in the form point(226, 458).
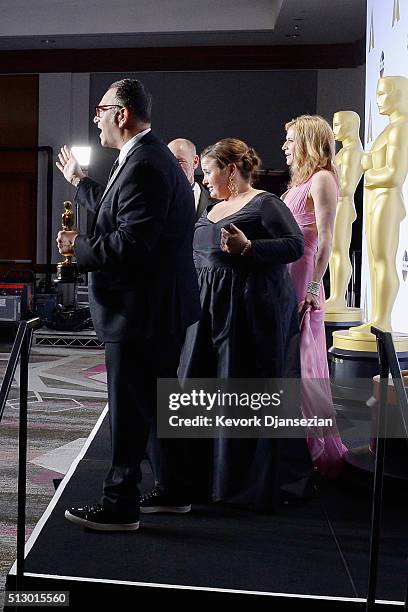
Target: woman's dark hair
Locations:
point(133, 94)
point(234, 151)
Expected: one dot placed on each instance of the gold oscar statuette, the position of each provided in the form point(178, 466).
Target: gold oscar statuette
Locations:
point(67, 271)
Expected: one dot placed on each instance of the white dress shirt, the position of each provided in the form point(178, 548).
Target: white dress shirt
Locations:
point(197, 194)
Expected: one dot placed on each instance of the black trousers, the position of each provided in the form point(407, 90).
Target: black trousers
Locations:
point(132, 371)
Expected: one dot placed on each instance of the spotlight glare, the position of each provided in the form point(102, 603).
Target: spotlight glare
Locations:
point(83, 155)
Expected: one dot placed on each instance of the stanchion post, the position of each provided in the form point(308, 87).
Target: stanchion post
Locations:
point(378, 474)
point(22, 457)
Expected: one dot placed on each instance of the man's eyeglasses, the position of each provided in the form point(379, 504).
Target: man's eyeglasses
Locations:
point(99, 110)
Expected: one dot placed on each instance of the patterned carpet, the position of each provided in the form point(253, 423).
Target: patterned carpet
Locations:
point(67, 393)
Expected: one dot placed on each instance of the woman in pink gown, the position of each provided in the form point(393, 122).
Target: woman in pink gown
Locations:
point(312, 198)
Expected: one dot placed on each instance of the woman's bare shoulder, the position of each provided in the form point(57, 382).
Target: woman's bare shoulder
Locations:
point(323, 180)
point(322, 177)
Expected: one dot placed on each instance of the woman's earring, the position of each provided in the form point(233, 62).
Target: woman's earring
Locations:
point(232, 186)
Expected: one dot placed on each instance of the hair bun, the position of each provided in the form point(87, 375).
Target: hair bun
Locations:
point(250, 159)
point(234, 151)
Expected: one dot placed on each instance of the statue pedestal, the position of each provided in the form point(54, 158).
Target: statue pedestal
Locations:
point(363, 458)
point(344, 316)
point(354, 362)
point(339, 321)
point(367, 343)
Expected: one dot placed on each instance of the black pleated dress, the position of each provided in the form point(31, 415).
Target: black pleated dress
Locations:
point(248, 329)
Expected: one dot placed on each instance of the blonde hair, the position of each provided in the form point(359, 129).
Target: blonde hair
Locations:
point(234, 151)
point(314, 148)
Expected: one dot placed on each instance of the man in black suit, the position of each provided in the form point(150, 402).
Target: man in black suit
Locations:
point(186, 154)
point(143, 288)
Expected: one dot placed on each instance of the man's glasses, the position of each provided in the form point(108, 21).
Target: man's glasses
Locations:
point(99, 110)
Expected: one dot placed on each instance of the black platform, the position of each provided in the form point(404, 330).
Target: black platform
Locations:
point(314, 557)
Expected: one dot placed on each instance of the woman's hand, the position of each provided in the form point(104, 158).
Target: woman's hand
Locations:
point(311, 301)
point(233, 240)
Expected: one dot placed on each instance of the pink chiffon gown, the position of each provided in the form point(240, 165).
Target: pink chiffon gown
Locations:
point(325, 445)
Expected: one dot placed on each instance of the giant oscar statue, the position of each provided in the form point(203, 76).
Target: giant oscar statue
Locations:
point(346, 126)
point(386, 167)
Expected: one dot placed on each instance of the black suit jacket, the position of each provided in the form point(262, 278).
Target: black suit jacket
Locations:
point(143, 281)
point(204, 200)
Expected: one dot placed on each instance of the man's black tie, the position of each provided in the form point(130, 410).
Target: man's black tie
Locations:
point(113, 169)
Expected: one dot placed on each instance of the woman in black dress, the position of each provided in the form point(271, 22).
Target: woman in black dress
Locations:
point(249, 325)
